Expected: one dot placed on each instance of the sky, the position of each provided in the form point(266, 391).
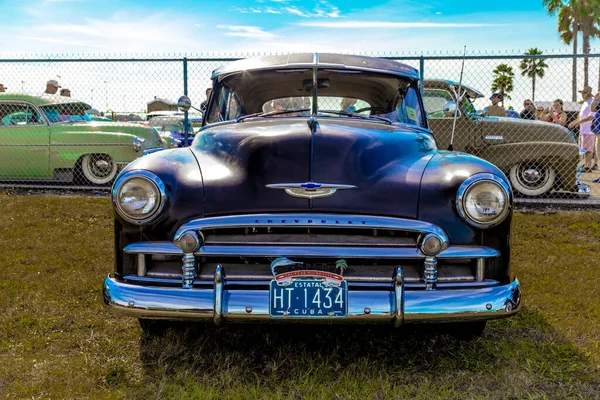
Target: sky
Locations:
point(200, 27)
point(67, 28)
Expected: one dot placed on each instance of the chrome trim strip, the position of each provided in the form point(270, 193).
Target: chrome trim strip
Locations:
point(398, 297)
point(454, 252)
point(311, 220)
point(218, 297)
point(141, 267)
point(480, 272)
point(419, 305)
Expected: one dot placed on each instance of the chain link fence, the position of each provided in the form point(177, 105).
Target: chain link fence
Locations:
point(74, 121)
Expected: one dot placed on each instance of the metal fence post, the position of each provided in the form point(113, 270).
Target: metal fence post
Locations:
point(186, 129)
point(422, 74)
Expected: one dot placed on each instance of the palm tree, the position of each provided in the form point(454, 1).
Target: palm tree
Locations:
point(576, 16)
point(568, 28)
point(533, 67)
point(503, 81)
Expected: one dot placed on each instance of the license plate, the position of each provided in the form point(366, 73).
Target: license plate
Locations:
point(308, 294)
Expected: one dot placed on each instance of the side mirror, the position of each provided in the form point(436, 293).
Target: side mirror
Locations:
point(450, 107)
point(184, 104)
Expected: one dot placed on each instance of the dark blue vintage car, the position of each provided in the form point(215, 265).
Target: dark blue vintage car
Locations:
point(314, 192)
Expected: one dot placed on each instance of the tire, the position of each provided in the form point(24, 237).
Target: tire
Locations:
point(467, 330)
point(532, 179)
point(98, 169)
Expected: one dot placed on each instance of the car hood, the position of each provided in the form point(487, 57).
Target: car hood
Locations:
point(514, 130)
point(383, 163)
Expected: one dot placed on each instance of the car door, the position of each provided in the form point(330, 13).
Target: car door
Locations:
point(24, 142)
point(441, 123)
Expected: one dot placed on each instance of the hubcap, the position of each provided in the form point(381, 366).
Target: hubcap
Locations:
point(531, 175)
point(100, 167)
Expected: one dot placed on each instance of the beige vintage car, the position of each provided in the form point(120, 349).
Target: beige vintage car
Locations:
point(538, 157)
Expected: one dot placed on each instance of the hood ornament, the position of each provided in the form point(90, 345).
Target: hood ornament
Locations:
point(310, 190)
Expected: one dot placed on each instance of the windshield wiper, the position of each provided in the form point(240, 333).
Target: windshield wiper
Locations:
point(271, 113)
point(351, 114)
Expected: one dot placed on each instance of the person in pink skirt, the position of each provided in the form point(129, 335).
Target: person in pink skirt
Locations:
point(587, 139)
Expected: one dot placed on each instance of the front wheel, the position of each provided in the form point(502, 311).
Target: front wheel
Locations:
point(532, 179)
point(98, 169)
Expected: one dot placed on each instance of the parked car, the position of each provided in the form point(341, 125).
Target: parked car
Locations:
point(171, 129)
point(52, 138)
point(536, 156)
point(313, 214)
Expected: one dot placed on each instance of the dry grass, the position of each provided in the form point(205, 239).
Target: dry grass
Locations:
point(56, 340)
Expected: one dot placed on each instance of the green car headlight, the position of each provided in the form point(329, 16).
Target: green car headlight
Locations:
point(139, 196)
point(483, 200)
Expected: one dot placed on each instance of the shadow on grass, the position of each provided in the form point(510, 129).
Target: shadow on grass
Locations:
point(518, 357)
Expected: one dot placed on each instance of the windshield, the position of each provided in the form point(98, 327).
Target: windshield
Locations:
point(64, 113)
point(340, 93)
point(170, 124)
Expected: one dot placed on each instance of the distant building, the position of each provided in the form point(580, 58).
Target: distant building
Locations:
point(159, 104)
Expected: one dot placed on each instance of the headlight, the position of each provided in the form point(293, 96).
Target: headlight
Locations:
point(483, 200)
point(139, 196)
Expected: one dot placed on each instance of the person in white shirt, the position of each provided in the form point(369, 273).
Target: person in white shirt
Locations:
point(587, 139)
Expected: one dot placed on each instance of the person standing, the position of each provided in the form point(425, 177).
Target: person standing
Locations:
point(587, 139)
point(65, 92)
point(495, 110)
point(528, 110)
point(52, 86)
point(595, 106)
point(557, 115)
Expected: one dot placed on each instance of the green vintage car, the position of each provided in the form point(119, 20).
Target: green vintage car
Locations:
point(52, 138)
point(538, 157)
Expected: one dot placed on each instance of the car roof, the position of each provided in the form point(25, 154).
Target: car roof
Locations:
point(321, 60)
point(441, 83)
point(41, 100)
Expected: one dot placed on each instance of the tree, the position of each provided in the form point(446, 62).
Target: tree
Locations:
point(503, 81)
point(533, 67)
point(575, 16)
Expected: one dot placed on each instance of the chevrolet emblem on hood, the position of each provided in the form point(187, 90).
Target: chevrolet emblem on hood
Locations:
point(310, 190)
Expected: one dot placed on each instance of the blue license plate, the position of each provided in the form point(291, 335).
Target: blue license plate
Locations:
point(308, 298)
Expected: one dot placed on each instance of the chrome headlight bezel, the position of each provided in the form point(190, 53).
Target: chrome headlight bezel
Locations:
point(471, 182)
point(154, 180)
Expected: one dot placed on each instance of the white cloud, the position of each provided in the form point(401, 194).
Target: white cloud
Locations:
point(59, 41)
point(246, 31)
point(391, 25)
point(321, 10)
point(295, 11)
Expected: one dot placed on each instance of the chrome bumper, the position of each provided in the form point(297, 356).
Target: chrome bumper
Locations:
point(223, 301)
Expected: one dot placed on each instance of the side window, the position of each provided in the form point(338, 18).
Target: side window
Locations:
point(227, 106)
point(18, 115)
point(434, 101)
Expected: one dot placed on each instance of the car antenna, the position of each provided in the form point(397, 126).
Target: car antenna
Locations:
point(458, 100)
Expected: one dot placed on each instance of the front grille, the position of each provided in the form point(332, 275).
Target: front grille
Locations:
point(313, 236)
point(371, 247)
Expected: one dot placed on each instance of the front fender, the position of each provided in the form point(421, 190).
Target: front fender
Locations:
point(563, 157)
point(437, 203)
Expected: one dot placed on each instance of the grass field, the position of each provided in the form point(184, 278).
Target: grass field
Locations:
point(57, 341)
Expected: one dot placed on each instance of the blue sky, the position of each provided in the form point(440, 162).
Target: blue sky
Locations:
point(127, 26)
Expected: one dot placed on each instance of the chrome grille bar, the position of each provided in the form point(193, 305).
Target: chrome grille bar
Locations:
point(454, 252)
point(312, 220)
